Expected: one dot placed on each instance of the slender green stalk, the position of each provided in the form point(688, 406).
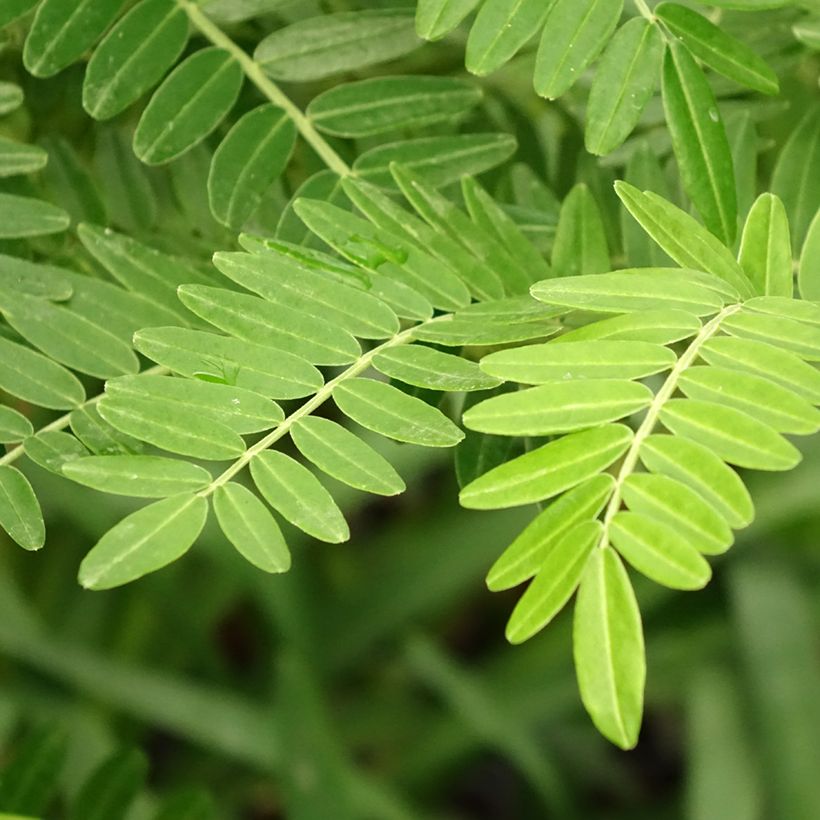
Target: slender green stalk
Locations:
point(253, 71)
point(645, 10)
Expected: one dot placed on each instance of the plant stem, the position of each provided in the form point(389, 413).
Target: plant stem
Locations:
point(253, 71)
point(645, 10)
point(653, 413)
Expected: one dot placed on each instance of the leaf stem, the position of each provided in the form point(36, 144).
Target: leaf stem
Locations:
point(253, 71)
point(645, 10)
point(663, 395)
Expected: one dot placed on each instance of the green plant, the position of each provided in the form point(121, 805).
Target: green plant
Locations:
point(266, 268)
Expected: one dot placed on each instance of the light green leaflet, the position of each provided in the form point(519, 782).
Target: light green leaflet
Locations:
point(14, 426)
point(381, 104)
point(36, 378)
point(67, 180)
point(575, 31)
point(808, 33)
point(425, 367)
point(765, 249)
point(392, 413)
point(548, 470)
point(208, 83)
point(283, 281)
point(268, 324)
point(558, 407)
point(24, 216)
point(344, 456)
point(319, 47)
point(795, 175)
point(501, 28)
point(254, 367)
point(682, 237)
point(762, 359)
point(236, 11)
point(775, 406)
point(475, 330)
point(139, 476)
point(52, 449)
point(67, 337)
point(134, 55)
point(798, 337)
point(625, 80)
point(171, 427)
point(20, 158)
point(440, 160)
point(677, 505)
point(11, 97)
point(786, 308)
point(61, 32)
point(20, 514)
point(250, 527)
point(717, 49)
point(731, 434)
point(700, 142)
point(557, 579)
point(626, 291)
point(435, 18)
point(248, 161)
point(146, 540)
point(659, 327)
point(699, 468)
point(296, 494)
point(99, 436)
point(608, 649)
point(525, 557)
point(580, 245)
point(537, 364)
point(34, 279)
point(111, 787)
point(809, 275)
point(658, 551)
point(12, 9)
point(240, 410)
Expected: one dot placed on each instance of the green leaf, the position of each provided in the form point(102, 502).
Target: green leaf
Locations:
point(809, 276)
point(20, 514)
point(99, 436)
point(548, 470)
point(11, 97)
point(34, 279)
point(392, 413)
point(558, 407)
point(31, 778)
point(785, 308)
point(344, 456)
point(24, 217)
point(808, 33)
point(775, 406)
point(144, 541)
point(682, 237)
point(138, 476)
point(322, 46)
point(501, 28)
point(555, 582)
point(679, 507)
point(700, 142)
point(575, 32)
point(659, 551)
point(731, 434)
point(296, 494)
point(477, 330)
point(53, 449)
point(717, 49)
point(538, 364)
point(284, 281)
point(14, 426)
point(525, 557)
point(378, 105)
point(765, 249)
point(658, 327)
point(20, 158)
point(698, 467)
point(630, 290)
point(61, 32)
point(435, 18)
point(425, 367)
point(580, 245)
point(108, 792)
point(167, 425)
point(609, 650)
point(10, 10)
point(625, 80)
point(135, 54)
point(243, 364)
point(799, 337)
point(762, 359)
point(248, 161)
point(440, 160)
point(795, 174)
point(249, 526)
point(186, 804)
point(209, 82)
